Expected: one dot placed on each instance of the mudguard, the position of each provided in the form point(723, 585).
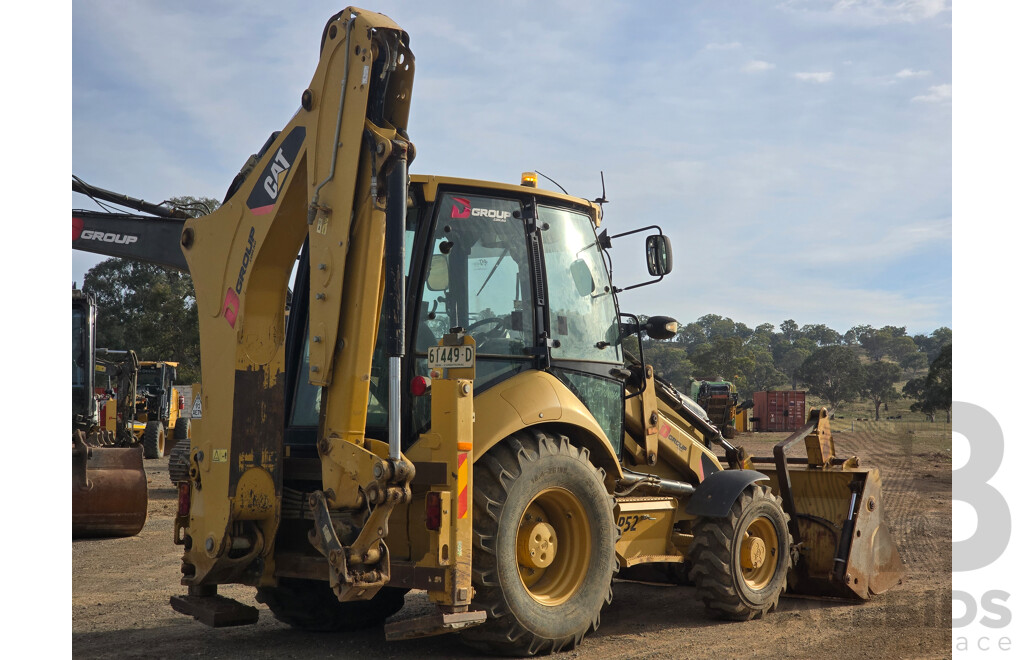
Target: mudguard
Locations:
point(716, 494)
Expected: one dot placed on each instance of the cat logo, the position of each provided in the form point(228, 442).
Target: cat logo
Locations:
point(271, 181)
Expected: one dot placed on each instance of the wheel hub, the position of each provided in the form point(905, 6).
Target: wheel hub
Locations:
point(536, 545)
point(553, 546)
point(752, 553)
point(759, 553)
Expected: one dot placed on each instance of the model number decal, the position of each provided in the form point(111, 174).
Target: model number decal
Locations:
point(628, 523)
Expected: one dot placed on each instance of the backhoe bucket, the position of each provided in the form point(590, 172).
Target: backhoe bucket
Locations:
point(109, 493)
point(836, 519)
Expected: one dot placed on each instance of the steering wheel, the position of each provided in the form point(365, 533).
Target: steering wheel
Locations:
point(499, 327)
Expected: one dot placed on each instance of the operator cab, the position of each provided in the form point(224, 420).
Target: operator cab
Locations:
point(522, 271)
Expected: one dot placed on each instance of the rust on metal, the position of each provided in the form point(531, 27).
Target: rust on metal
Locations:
point(256, 426)
point(109, 493)
point(836, 518)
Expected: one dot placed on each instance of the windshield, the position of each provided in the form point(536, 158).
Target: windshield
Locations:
point(149, 377)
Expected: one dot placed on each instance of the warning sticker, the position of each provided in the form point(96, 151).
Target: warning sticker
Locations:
point(220, 455)
point(197, 408)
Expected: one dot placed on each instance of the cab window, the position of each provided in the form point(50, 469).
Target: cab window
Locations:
point(584, 319)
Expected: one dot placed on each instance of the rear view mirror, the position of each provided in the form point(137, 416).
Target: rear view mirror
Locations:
point(659, 255)
point(437, 277)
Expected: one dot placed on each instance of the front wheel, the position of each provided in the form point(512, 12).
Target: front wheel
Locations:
point(153, 440)
point(740, 562)
point(543, 547)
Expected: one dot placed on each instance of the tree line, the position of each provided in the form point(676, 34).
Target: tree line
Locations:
point(152, 310)
point(862, 363)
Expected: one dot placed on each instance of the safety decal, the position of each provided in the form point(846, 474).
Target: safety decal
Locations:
point(463, 485)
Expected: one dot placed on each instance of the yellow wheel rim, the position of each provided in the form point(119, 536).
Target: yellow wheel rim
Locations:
point(759, 553)
point(553, 546)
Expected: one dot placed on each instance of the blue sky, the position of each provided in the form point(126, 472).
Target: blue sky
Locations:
point(797, 152)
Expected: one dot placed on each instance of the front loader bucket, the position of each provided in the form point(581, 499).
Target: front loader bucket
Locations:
point(109, 494)
point(836, 519)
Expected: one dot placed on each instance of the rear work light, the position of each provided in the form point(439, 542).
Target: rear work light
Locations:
point(184, 499)
point(433, 511)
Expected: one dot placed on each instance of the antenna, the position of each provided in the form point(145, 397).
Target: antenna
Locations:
point(602, 199)
point(552, 181)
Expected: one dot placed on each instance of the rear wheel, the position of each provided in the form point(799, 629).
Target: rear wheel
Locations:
point(153, 440)
point(177, 464)
point(740, 562)
point(543, 547)
point(311, 605)
point(182, 428)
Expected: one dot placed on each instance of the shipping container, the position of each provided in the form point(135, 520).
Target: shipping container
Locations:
point(779, 410)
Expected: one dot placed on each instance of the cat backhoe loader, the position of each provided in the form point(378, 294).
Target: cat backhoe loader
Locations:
point(449, 406)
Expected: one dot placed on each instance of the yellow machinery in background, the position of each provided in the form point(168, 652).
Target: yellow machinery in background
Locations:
point(109, 492)
point(448, 405)
point(158, 408)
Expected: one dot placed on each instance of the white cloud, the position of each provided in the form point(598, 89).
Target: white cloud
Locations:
point(910, 73)
point(732, 45)
point(757, 66)
point(936, 94)
point(869, 12)
point(816, 77)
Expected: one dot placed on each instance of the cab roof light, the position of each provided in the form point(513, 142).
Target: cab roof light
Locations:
point(529, 179)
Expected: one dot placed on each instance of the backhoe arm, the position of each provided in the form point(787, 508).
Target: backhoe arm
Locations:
point(149, 239)
point(336, 174)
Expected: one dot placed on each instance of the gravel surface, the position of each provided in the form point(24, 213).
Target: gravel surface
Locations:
point(121, 588)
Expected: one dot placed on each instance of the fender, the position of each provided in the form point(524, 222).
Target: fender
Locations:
point(717, 493)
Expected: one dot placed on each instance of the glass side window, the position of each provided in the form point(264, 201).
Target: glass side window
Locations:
point(602, 397)
point(306, 400)
point(584, 319)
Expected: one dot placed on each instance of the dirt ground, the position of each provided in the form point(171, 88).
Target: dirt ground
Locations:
point(121, 589)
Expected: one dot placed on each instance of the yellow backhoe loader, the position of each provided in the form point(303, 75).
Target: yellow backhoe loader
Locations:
point(448, 405)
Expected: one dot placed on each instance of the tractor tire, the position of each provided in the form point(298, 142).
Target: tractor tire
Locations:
point(177, 464)
point(740, 562)
point(153, 440)
point(543, 545)
point(311, 605)
point(182, 428)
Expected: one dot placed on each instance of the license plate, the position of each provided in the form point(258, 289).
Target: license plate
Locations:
point(451, 357)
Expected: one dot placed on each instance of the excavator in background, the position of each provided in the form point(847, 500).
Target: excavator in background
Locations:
point(448, 405)
point(109, 492)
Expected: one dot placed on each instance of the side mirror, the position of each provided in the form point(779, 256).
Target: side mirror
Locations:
point(437, 278)
point(659, 255)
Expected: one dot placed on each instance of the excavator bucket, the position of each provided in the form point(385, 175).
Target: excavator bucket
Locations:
point(836, 517)
point(109, 494)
